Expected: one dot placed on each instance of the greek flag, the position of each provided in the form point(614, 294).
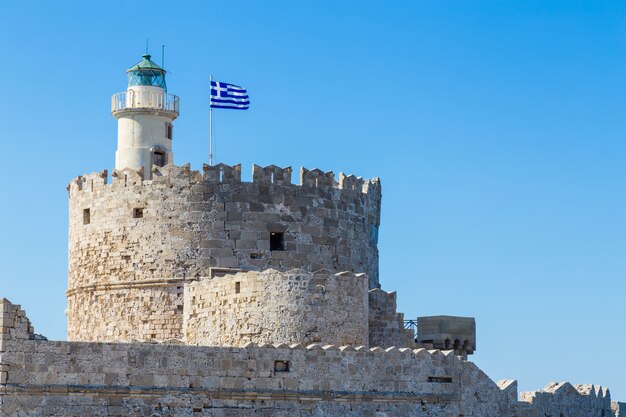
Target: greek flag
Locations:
point(228, 96)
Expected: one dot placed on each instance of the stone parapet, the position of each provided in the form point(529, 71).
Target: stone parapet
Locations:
point(13, 323)
point(386, 325)
point(563, 398)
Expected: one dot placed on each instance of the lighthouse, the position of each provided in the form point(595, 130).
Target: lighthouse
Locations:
point(145, 112)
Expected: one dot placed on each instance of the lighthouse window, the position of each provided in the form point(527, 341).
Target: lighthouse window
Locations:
point(147, 77)
point(168, 130)
point(158, 158)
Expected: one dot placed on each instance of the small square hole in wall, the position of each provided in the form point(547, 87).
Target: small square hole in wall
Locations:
point(138, 213)
point(281, 366)
point(158, 158)
point(237, 287)
point(86, 216)
point(277, 241)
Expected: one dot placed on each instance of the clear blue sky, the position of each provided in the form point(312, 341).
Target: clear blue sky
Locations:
point(496, 127)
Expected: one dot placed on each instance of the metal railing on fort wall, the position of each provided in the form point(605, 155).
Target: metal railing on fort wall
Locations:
point(412, 325)
point(144, 100)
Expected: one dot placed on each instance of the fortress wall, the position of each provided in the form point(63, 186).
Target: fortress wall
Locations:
point(13, 322)
point(67, 379)
point(277, 307)
point(480, 396)
point(73, 378)
point(564, 398)
point(115, 379)
point(386, 325)
point(152, 311)
point(43, 378)
point(183, 222)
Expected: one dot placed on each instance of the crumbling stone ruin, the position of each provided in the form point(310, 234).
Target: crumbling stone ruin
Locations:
point(198, 294)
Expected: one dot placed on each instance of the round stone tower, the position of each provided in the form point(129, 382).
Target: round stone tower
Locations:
point(145, 112)
point(137, 239)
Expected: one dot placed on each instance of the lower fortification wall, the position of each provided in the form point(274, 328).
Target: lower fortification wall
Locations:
point(67, 379)
point(277, 307)
point(43, 378)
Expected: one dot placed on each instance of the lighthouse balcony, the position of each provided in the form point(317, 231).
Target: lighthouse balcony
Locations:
point(144, 101)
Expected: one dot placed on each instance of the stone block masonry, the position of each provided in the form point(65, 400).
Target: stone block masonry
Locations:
point(565, 399)
point(277, 307)
point(386, 325)
point(67, 379)
point(135, 241)
point(100, 379)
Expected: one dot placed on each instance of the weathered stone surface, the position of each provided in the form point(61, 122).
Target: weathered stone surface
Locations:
point(137, 240)
point(115, 379)
point(277, 307)
point(44, 378)
point(386, 325)
point(565, 399)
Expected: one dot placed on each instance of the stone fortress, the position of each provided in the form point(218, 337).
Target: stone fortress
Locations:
point(194, 293)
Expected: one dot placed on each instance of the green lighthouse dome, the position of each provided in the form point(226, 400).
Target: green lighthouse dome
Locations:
point(146, 73)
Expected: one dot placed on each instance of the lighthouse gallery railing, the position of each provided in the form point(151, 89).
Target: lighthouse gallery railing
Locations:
point(144, 100)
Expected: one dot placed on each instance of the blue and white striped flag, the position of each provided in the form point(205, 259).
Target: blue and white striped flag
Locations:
point(228, 96)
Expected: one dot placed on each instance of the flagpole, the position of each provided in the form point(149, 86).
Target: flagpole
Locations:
point(210, 127)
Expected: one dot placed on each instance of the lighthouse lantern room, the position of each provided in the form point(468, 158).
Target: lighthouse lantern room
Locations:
point(145, 112)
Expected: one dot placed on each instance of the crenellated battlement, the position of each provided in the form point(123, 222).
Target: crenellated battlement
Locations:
point(386, 324)
point(227, 174)
point(567, 399)
point(222, 173)
point(14, 324)
point(350, 182)
point(271, 174)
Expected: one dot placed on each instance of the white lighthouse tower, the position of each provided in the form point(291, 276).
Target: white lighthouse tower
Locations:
point(145, 112)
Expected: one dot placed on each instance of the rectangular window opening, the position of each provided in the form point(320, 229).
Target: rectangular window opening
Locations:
point(237, 287)
point(138, 213)
point(277, 241)
point(168, 130)
point(281, 366)
point(158, 158)
point(86, 216)
point(440, 379)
